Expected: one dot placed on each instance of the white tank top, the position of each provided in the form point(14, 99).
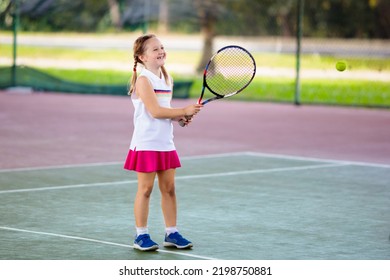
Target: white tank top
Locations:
point(151, 134)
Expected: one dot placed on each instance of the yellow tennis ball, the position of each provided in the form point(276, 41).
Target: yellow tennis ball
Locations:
point(341, 65)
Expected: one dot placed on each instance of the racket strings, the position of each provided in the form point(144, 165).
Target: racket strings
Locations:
point(229, 71)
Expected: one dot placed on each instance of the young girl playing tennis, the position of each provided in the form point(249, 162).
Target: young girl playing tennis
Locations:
point(152, 151)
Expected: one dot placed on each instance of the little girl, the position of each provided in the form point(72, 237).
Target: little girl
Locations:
point(152, 151)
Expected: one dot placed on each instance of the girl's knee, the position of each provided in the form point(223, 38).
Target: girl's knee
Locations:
point(166, 181)
point(145, 190)
point(168, 189)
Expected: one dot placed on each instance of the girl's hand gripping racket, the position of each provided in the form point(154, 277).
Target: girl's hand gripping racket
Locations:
point(227, 73)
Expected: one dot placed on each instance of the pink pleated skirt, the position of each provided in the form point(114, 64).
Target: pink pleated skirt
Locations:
point(151, 161)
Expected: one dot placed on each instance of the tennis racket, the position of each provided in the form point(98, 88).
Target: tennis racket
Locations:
point(228, 72)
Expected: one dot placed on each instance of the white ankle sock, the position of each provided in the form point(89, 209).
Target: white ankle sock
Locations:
point(141, 230)
point(169, 230)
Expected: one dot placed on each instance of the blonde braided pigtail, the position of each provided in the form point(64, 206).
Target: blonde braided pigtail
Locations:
point(134, 77)
point(166, 75)
point(138, 50)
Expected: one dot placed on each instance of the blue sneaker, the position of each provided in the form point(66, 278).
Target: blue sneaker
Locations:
point(144, 243)
point(176, 240)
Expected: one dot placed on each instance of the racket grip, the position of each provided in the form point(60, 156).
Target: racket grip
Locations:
point(182, 123)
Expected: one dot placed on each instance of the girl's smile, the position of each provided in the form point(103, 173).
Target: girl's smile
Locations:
point(155, 54)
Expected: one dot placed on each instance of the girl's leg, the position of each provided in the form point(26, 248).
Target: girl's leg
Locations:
point(142, 198)
point(166, 182)
point(141, 211)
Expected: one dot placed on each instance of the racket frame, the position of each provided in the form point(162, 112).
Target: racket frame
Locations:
point(217, 95)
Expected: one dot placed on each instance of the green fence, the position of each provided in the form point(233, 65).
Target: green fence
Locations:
point(23, 76)
point(296, 45)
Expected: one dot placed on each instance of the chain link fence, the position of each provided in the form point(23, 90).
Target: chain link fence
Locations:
point(296, 44)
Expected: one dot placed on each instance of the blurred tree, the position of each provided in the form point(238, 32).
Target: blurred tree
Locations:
point(139, 13)
point(322, 18)
point(163, 20)
point(208, 11)
point(115, 14)
point(58, 15)
point(382, 14)
point(258, 17)
point(347, 19)
point(5, 13)
point(283, 13)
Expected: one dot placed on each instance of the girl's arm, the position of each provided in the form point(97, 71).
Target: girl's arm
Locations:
point(146, 93)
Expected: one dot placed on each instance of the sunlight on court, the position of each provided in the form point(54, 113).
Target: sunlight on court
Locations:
point(231, 206)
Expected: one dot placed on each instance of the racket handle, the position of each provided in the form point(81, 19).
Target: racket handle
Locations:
point(182, 123)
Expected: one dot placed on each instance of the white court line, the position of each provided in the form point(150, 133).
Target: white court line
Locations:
point(70, 186)
point(368, 164)
point(111, 163)
point(101, 242)
point(58, 166)
point(257, 171)
point(258, 154)
point(185, 177)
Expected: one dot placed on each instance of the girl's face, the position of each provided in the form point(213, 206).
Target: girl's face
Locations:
point(154, 55)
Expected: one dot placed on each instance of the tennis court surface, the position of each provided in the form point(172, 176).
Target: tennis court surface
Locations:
point(264, 191)
point(232, 206)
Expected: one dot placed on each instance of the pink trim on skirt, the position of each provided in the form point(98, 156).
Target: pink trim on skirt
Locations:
point(151, 161)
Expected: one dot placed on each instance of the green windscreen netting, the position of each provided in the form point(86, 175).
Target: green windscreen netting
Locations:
point(23, 76)
point(296, 44)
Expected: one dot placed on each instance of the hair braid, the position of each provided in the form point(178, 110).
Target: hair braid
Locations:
point(134, 77)
point(166, 75)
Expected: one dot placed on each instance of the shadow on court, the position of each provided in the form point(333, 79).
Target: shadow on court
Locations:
point(231, 206)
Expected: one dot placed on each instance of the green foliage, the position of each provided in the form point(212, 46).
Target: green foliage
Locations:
point(322, 18)
point(313, 91)
point(267, 89)
point(86, 76)
point(66, 15)
point(346, 92)
point(341, 18)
